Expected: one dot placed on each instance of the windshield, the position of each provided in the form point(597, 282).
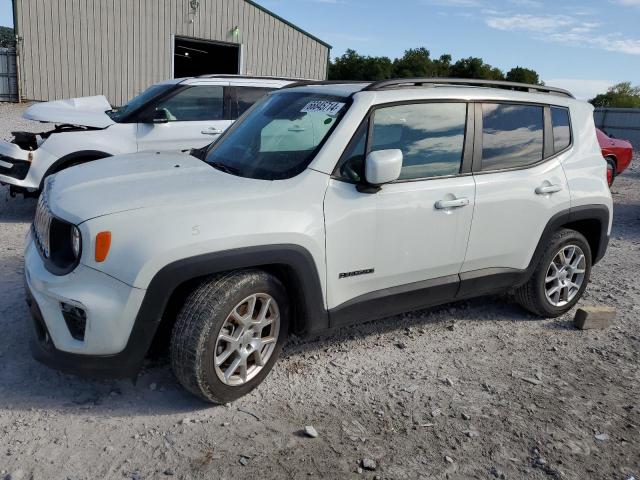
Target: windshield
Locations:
point(119, 114)
point(279, 136)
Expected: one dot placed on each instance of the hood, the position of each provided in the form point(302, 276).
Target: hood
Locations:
point(83, 111)
point(141, 180)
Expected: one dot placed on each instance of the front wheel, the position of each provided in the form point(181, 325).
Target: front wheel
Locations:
point(560, 278)
point(229, 334)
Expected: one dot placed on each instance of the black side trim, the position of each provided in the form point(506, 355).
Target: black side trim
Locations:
point(490, 280)
point(391, 301)
point(128, 362)
point(75, 157)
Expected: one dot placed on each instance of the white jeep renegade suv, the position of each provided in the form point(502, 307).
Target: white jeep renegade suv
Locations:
point(175, 115)
point(324, 205)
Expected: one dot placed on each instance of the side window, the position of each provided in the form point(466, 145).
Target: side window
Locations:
point(561, 128)
point(512, 135)
point(246, 96)
point(430, 136)
point(196, 103)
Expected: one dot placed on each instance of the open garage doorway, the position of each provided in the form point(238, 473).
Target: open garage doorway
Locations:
point(193, 57)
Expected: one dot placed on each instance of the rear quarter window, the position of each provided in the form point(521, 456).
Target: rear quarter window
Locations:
point(561, 128)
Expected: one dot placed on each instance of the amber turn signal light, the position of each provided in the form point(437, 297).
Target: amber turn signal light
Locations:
point(103, 243)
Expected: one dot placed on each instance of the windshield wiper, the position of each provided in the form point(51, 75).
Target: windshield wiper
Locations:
point(225, 168)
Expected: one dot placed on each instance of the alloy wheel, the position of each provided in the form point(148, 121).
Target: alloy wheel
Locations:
point(247, 339)
point(565, 275)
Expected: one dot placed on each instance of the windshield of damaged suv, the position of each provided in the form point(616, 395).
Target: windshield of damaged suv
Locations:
point(279, 136)
point(121, 113)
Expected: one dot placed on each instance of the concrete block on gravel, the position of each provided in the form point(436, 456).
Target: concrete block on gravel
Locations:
point(588, 318)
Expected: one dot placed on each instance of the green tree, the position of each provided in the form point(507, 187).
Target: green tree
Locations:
point(622, 95)
point(417, 62)
point(7, 37)
point(414, 63)
point(524, 75)
point(474, 67)
point(353, 66)
point(443, 66)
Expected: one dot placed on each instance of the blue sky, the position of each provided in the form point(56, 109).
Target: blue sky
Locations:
point(583, 45)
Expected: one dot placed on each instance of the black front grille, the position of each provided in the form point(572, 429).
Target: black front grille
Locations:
point(18, 170)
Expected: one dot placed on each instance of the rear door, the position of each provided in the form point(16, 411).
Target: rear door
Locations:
point(409, 238)
point(520, 185)
point(198, 114)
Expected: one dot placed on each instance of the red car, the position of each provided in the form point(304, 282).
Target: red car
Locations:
point(617, 153)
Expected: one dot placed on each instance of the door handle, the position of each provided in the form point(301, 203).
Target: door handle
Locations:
point(457, 203)
point(546, 189)
point(212, 131)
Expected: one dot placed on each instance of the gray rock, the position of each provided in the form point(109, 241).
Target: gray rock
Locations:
point(603, 437)
point(169, 472)
point(497, 473)
point(368, 464)
point(309, 431)
point(465, 416)
point(244, 461)
point(594, 317)
point(448, 459)
point(16, 475)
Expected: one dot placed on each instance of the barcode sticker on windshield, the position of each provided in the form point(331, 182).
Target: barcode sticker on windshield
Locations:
point(322, 106)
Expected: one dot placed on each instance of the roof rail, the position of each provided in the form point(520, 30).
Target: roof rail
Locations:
point(250, 77)
point(419, 82)
point(303, 83)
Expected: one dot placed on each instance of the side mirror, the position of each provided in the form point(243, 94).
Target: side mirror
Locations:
point(159, 115)
point(383, 166)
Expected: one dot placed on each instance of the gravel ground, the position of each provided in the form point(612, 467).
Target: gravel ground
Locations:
point(477, 389)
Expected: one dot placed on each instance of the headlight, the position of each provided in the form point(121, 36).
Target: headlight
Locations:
point(76, 241)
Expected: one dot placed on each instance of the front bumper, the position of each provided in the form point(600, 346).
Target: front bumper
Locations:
point(18, 168)
point(111, 309)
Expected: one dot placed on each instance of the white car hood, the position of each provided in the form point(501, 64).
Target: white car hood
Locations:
point(83, 111)
point(129, 182)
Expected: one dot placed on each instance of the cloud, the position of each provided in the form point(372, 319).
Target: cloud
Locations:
point(454, 3)
point(534, 23)
point(628, 3)
point(564, 29)
point(582, 89)
point(527, 3)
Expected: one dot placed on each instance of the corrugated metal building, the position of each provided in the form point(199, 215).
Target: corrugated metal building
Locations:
point(620, 122)
point(72, 48)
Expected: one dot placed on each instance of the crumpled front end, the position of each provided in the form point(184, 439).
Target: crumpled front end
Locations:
point(15, 166)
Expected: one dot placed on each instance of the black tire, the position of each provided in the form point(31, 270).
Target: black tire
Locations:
point(532, 295)
point(194, 336)
point(611, 167)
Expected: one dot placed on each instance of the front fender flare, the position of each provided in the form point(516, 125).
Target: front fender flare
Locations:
point(293, 257)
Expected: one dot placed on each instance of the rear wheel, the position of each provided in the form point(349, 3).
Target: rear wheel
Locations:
point(560, 278)
point(611, 170)
point(229, 334)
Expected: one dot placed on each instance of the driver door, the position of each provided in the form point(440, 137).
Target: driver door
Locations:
point(196, 116)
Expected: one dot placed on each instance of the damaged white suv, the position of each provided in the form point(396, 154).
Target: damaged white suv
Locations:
point(325, 205)
point(174, 115)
